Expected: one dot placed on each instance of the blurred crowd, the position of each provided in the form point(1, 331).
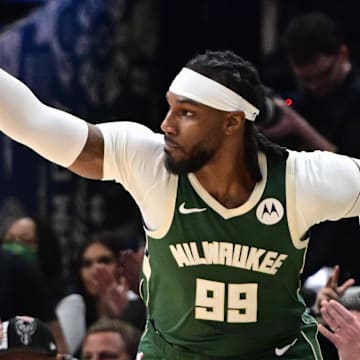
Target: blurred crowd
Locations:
point(101, 297)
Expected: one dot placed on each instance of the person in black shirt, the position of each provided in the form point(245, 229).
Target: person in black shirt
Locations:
point(329, 100)
point(23, 291)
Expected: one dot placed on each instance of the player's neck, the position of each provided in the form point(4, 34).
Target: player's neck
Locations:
point(228, 181)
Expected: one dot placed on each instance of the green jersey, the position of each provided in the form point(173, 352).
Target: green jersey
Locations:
point(226, 287)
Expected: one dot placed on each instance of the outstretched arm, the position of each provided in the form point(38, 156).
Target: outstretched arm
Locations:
point(54, 134)
point(89, 163)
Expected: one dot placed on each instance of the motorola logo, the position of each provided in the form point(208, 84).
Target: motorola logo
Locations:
point(270, 211)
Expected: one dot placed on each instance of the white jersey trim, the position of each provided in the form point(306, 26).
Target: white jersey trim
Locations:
point(292, 214)
point(248, 205)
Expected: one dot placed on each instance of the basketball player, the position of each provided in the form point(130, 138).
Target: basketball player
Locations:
point(226, 212)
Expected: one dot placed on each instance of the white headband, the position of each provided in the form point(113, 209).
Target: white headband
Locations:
point(206, 91)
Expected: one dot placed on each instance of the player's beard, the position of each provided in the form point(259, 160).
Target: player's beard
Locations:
point(196, 161)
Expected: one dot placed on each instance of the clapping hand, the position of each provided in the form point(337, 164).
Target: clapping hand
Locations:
point(113, 292)
point(332, 290)
point(345, 334)
point(131, 263)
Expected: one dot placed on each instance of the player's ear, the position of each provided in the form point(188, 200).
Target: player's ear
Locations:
point(234, 121)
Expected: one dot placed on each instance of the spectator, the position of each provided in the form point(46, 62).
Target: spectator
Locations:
point(27, 338)
point(102, 252)
point(333, 291)
point(111, 339)
point(34, 238)
point(23, 290)
point(319, 57)
point(102, 286)
point(343, 318)
point(329, 90)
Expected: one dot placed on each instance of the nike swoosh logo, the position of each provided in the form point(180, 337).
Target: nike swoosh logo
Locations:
point(184, 210)
point(281, 351)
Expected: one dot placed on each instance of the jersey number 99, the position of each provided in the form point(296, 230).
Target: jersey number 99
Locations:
point(241, 304)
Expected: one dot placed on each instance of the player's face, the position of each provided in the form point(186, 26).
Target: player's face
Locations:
point(95, 255)
point(193, 134)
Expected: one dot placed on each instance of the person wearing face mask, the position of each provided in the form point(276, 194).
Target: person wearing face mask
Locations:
point(23, 290)
point(34, 238)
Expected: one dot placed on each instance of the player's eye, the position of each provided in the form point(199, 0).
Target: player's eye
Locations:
point(187, 113)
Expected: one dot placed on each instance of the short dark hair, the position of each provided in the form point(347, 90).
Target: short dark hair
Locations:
point(129, 333)
point(241, 76)
point(311, 34)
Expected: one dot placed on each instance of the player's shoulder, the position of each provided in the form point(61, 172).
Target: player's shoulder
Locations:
point(321, 163)
point(319, 157)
